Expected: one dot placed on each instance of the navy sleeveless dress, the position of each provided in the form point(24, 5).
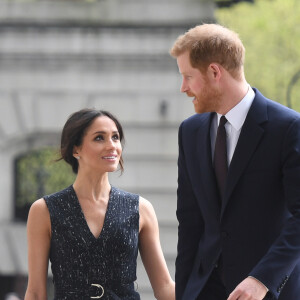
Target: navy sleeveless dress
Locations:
point(85, 267)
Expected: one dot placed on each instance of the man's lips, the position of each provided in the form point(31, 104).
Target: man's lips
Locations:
point(190, 95)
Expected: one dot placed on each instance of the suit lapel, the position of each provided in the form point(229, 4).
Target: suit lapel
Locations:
point(204, 156)
point(251, 134)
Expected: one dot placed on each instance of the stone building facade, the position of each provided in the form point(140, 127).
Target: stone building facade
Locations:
point(59, 56)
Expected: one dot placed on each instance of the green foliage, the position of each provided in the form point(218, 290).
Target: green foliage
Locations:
point(270, 31)
point(38, 174)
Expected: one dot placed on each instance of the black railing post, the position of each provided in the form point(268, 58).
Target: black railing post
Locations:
point(289, 88)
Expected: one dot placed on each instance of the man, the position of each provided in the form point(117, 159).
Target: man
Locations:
point(238, 183)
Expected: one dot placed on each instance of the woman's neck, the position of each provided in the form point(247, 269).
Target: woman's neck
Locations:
point(93, 188)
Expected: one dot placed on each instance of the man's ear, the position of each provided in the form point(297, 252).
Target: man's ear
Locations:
point(214, 71)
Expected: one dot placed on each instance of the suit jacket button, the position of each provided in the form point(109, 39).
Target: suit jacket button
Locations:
point(224, 234)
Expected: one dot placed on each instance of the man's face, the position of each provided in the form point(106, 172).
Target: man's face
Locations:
point(197, 85)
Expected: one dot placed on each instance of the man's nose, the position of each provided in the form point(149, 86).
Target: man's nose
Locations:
point(184, 86)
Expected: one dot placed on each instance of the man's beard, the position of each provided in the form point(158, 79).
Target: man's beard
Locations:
point(208, 101)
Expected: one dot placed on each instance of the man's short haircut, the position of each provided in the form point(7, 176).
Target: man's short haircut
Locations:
point(212, 43)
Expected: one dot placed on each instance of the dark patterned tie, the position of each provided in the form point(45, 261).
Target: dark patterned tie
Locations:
point(220, 156)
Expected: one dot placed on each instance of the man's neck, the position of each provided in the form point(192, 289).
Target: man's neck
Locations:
point(233, 94)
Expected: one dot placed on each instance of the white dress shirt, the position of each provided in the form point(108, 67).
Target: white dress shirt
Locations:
point(235, 120)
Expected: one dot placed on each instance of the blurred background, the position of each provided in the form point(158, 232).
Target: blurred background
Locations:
point(60, 56)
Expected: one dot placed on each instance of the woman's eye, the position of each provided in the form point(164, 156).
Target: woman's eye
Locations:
point(116, 137)
point(99, 138)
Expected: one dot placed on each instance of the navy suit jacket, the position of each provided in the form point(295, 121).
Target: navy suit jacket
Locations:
point(257, 225)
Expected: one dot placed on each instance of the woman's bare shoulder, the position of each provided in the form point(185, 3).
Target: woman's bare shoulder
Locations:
point(39, 206)
point(39, 213)
point(148, 217)
point(146, 207)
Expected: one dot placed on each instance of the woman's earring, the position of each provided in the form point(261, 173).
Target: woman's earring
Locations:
point(77, 157)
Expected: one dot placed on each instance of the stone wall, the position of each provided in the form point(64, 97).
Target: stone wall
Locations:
point(59, 56)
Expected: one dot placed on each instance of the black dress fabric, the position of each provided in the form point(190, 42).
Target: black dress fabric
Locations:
point(86, 267)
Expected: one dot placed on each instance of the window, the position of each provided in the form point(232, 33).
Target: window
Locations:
point(38, 174)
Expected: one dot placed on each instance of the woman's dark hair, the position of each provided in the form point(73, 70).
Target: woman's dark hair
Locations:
point(75, 129)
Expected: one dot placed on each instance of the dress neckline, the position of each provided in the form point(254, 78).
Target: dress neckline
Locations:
point(84, 218)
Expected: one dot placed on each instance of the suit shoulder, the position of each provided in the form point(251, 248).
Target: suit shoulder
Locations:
point(267, 109)
point(195, 120)
point(277, 111)
point(274, 106)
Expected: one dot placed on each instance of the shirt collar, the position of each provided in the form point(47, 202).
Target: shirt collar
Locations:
point(237, 115)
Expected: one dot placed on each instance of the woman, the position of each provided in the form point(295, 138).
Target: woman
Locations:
point(91, 231)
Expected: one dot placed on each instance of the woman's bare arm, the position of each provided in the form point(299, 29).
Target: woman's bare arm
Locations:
point(152, 255)
point(38, 238)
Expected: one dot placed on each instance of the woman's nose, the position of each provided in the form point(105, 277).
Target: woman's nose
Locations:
point(111, 143)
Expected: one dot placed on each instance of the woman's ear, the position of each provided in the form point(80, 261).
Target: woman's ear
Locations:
point(75, 153)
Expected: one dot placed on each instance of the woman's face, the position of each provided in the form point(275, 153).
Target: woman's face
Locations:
point(101, 147)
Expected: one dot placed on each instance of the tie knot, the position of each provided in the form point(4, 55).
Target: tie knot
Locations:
point(223, 120)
